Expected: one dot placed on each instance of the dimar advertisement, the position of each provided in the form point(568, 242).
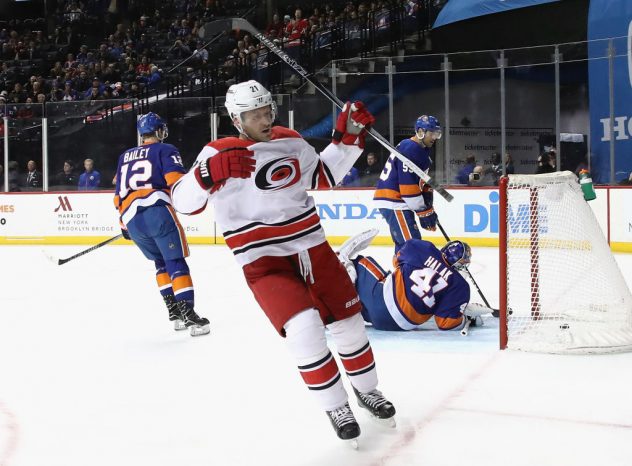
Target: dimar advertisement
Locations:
point(473, 215)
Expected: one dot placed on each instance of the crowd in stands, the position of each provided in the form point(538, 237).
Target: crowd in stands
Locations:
point(128, 52)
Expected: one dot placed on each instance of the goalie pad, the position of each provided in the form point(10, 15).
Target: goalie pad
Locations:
point(475, 310)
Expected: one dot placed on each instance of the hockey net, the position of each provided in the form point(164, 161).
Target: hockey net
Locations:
point(557, 273)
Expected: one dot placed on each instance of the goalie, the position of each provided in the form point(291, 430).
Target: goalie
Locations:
point(425, 283)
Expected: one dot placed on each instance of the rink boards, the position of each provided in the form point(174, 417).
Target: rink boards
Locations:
point(90, 217)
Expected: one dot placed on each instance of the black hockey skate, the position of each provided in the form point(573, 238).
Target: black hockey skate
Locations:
point(345, 424)
point(174, 312)
point(197, 325)
point(377, 406)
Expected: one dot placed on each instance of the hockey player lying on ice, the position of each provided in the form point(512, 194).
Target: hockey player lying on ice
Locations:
point(425, 283)
point(258, 184)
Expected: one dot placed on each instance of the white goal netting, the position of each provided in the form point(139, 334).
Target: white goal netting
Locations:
point(564, 288)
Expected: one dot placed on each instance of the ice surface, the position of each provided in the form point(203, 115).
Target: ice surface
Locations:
point(92, 374)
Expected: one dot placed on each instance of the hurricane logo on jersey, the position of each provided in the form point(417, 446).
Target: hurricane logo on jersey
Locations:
point(278, 174)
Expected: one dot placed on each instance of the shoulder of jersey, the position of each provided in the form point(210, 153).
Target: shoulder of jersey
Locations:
point(409, 144)
point(281, 132)
point(169, 146)
point(226, 143)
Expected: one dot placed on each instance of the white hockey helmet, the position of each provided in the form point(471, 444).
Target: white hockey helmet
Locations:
point(246, 96)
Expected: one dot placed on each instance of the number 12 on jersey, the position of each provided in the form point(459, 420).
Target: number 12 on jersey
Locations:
point(134, 176)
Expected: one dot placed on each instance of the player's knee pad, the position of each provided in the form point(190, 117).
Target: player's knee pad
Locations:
point(349, 334)
point(176, 267)
point(305, 336)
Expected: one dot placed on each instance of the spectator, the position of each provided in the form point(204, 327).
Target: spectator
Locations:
point(546, 163)
point(69, 93)
point(14, 176)
point(33, 177)
point(626, 182)
point(26, 111)
point(68, 177)
point(352, 178)
point(463, 176)
point(509, 165)
point(90, 179)
point(296, 27)
point(476, 178)
point(118, 92)
point(494, 173)
point(200, 55)
point(372, 164)
point(275, 27)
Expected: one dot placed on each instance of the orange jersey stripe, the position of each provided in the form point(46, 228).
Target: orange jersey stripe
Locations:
point(131, 197)
point(172, 177)
point(389, 194)
point(401, 221)
point(402, 301)
point(409, 189)
point(448, 323)
point(370, 266)
point(183, 238)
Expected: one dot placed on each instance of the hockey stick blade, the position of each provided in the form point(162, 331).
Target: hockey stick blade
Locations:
point(241, 24)
point(52, 259)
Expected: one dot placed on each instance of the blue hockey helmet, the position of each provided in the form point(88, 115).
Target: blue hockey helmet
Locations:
point(427, 124)
point(151, 123)
point(456, 254)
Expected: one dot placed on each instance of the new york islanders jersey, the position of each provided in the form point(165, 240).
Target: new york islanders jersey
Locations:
point(270, 213)
point(143, 177)
point(422, 285)
point(398, 187)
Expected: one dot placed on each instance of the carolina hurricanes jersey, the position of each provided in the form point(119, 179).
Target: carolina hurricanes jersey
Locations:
point(270, 213)
point(398, 187)
point(143, 177)
point(422, 285)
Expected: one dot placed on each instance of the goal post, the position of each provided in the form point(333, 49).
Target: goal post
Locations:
point(557, 273)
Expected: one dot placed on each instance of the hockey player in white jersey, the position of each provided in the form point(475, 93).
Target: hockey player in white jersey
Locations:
point(257, 183)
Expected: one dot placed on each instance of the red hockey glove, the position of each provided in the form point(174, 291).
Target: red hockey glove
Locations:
point(234, 162)
point(352, 123)
point(428, 219)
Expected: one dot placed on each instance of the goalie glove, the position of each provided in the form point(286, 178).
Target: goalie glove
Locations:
point(352, 124)
point(234, 162)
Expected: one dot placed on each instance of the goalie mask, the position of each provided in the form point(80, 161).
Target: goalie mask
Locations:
point(247, 96)
point(456, 254)
point(428, 124)
point(151, 124)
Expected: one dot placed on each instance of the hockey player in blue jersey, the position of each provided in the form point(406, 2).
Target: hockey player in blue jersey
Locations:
point(400, 194)
point(144, 177)
point(425, 283)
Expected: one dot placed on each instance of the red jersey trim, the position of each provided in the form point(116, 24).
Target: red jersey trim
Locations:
point(270, 232)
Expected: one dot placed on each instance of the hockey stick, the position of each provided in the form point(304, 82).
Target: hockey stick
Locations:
point(220, 25)
point(79, 254)
point(495, 312)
